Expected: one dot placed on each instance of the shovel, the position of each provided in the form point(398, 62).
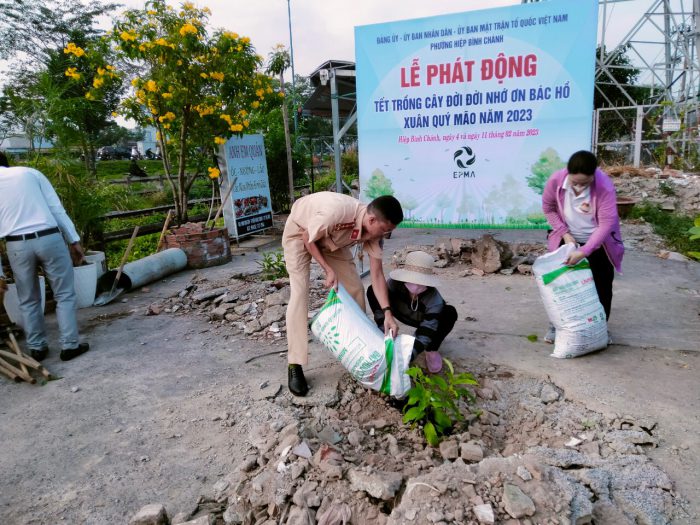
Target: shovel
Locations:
point(108, 297)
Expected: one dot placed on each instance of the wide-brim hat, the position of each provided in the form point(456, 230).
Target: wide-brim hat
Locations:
point(417, 269)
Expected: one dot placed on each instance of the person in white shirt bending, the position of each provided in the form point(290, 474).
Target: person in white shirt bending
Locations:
point(32, 220)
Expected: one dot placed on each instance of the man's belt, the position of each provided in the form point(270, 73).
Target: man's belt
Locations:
point(35, 235)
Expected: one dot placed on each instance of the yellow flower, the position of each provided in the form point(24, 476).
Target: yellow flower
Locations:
point(269, 89)
point(245, 40)
point(219, 140)
point(236, 127)
point(97, 82)
point(71, 48)
point(203, 75)
point(168, 116)
point(231, 35)
point(260, 92)
point(206, 10)
point(246, 123)
point(152, 12)
point(188, 29)
point(142, 48)
point(72, 73)
point(214, 173)
point(179, 62)
point(227, 118)
point(217, 76)
point(151, 85)
point(255, 104)
point(89, 96)
point(167, 95)
point(135, 82)
point(101, 71)
point(110, 68)
point(188, 5)
point(162, 42)
point(158, 135)
point(141, 95)
point(166, 126)
point(126, 36)
point(115, 114)
point(280, 94)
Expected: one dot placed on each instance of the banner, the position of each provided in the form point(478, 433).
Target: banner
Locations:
point(249, 208)
point(464, 117)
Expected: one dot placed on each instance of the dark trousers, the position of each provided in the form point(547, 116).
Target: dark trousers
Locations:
point(446, 319)
point(603, 275)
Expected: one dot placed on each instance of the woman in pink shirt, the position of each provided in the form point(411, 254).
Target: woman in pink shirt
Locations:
point(581, 207)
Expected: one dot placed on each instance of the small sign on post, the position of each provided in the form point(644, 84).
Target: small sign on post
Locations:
point(670, 124)
point(249, 209)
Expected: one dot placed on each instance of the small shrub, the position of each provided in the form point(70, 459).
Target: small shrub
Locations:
point(273, 266)
point(694, 236)
point(674, 228)
point(667, 189)
point(433, 401)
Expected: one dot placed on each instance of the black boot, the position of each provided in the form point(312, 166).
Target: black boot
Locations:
point(40, 354)
point(71, 353)
point(297, 381)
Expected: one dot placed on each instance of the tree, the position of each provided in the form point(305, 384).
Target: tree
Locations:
point(194, 87)
point(81, 95)
point(409, 203)
point(378, 185)
point(45, 39)
point(278, 62)
point(31, 29)
point(548, 163)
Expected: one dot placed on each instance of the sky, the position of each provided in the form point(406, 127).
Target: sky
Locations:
point(324, 29)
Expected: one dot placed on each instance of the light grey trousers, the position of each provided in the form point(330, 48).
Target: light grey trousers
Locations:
point(51, 253)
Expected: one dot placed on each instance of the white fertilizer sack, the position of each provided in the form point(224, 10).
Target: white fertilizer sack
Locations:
point(572, 304)
point(375, 361)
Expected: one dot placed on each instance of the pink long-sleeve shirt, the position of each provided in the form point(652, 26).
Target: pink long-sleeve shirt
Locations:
point(604, 207)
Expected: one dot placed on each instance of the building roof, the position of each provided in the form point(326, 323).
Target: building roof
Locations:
point(319, 103)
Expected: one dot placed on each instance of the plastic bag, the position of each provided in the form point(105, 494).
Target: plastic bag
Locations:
point(572, 303)
point(375, 361)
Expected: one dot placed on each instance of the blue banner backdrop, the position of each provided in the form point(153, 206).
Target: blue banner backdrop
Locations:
point(463, 117)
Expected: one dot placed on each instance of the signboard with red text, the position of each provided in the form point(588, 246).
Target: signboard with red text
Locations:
point(463, 117)
point(249, 208)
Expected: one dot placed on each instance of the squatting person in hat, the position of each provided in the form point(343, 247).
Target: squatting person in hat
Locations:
point(324, 226)
point(34, 225)
point(415, 301)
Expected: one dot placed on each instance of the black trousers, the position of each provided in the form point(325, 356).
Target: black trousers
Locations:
point(603, 275)
point(446, 319)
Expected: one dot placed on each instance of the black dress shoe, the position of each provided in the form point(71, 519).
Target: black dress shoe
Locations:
point(70, 353)
point(40, 354)
point(297, 381)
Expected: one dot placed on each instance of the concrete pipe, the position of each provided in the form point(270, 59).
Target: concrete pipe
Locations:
point(146, 270)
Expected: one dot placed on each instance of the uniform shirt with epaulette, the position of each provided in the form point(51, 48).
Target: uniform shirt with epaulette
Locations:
point(332, 220)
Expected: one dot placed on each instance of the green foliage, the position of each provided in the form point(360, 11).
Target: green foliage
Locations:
point(273, 266)
point(548, 163)
point(143, 247)
point(694, 236)
point(674, 228)
point(433, 401)
point(84, 199)
point(666, 189)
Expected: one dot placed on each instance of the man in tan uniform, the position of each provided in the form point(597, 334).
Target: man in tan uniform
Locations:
point(324, 226)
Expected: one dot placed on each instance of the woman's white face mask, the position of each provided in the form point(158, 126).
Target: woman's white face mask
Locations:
point(415, 289)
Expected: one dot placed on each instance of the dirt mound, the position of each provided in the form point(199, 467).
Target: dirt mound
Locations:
point(531, 454)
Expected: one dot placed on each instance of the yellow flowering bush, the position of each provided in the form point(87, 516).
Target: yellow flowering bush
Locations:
point(195, 85)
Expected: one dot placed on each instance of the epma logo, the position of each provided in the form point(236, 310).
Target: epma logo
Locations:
point(464, 157)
